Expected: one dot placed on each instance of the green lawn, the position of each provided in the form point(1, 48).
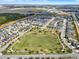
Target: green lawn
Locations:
point(37, 41)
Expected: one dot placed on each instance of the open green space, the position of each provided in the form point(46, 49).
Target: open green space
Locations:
point(7, 17)
point(37, 41)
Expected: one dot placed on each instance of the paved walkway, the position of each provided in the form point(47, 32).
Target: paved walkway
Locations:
point(47, 23)
point(41, 56)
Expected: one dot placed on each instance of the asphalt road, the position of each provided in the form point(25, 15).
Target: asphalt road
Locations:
point(75, 56)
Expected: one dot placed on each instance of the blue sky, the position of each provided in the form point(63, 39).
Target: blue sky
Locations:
point(39, 2)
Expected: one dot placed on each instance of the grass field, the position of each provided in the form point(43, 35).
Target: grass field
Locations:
point(37, 41)
point(2, 20)
point(7, 17)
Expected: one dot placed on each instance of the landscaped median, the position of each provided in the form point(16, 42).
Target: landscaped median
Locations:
point(37, 41)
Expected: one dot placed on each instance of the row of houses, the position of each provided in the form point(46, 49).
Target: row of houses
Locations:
point(11, 32)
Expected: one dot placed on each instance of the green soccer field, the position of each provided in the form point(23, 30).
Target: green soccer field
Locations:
point(35, 42)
